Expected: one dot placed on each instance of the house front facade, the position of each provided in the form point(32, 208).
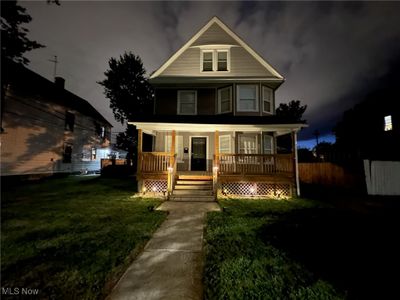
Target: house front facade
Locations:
point(214, 120)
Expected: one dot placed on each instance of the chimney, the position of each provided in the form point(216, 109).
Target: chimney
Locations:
point(60, 82)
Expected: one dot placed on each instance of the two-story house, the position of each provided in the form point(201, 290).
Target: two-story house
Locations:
point(46, 129)
point(214, 126)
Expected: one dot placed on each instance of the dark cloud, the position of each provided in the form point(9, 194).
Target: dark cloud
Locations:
point(331, 53)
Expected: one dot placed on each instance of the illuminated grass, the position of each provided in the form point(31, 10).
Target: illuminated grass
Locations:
point(72, 237)
point(242, 264)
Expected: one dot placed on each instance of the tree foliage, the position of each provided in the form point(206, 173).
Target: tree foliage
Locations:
point(14, 40)
point(292, 111)
point(127, 88)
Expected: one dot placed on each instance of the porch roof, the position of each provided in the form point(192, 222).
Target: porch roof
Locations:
point(153, 127)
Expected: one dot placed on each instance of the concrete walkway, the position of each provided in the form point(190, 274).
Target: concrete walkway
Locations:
point(171, 264)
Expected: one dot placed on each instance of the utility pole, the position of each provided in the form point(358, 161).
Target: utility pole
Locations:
point(55, 61)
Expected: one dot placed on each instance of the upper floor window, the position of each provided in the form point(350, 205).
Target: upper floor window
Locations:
point(388, 123)
point(215, 60)
point(247, 98)
point(225, 100)
point(267, 100)
point(69, 121)
point(187, 102)
point(208, 61)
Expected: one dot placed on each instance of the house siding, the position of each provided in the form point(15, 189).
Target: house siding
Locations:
point(34, 137)
point(214, 35)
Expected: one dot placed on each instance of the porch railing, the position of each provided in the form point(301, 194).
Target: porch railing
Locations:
point(154, 162)
point(231, 164)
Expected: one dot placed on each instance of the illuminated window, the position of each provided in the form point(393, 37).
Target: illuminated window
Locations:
point(248, 143)
point(388, 123)
point(213, 60)
point(93, 156)
point(225, 144)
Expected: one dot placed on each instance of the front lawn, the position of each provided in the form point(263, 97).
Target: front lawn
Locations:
point(242, 264)
point(300, 249)
point(72, 237)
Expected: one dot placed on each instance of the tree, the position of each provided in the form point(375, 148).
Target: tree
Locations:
point(127, 141)
point(127, 88)
point(292, 111)
point(14, 40)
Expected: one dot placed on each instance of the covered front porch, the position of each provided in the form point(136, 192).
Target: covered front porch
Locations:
point(241, 160)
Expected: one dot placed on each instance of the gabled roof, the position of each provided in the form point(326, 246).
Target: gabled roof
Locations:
point(31, 83)
point(233, 35)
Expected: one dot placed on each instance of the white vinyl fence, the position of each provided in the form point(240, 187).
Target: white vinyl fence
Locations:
point(382, 177)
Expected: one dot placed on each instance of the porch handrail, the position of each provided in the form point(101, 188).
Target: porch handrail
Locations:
point(230, 163)
point(154, 162)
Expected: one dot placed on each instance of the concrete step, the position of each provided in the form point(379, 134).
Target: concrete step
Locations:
point(193, 187)
point(194, 182)
point(192, 198)
point(194, 177)
point(193, 193)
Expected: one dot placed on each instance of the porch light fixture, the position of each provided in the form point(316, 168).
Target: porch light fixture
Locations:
point(215, 169)
point(170, 169)
point(252, 190)
point(144, 190)
point(154, 189)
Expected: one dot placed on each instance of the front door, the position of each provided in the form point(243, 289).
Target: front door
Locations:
point(199, 154)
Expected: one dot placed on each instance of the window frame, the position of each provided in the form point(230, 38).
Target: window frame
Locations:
point(215, 60)
point(219, 100)
point(271, 100)
point(179, 103)
point(387, 123)
point(271, 138)
point(249, 134)
point(257, 109)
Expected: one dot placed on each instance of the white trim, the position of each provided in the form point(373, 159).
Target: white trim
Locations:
point(217, 21)
point(219, 99)
point(178, 112)
point(190, 150)
point(271, 100)
point(257, 109)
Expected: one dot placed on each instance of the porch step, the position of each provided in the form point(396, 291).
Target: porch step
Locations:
point(192, 198)
point(193, 187)
point(195, 177)
point(194, 182)
point(192, 193)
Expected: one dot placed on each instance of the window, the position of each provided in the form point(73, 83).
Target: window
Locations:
point(207, 61)
point(222, 62)
point(248, 143)
point(225, 144)
point(67, 154)
point(267, 99)
point(268, 144)
point(178, 146)
point(388, 123)
point(187, 103)
point(247, 98)
point(225, 100)
point(69, 121)
point(93, 156)
point(215, 60)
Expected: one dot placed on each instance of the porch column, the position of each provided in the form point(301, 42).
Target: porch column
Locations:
point(139, 151)
point(171, 159)
point(216, 148)
point(295, 162)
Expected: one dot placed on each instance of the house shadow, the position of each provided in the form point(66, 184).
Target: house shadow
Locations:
point(356, 253)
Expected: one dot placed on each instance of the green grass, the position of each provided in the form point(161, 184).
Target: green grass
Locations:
point(72, 237)
point(241, 263)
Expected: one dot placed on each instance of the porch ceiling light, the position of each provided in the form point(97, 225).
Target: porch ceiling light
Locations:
point(170, 169)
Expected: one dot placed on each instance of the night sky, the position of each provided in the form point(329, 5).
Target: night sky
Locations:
point(330, 53)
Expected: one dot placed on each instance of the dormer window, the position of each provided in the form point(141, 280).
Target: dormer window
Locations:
point(208, 61)
point(215, 60)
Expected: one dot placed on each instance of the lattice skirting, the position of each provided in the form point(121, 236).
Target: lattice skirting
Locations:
point(154, 187)
point(255, 189)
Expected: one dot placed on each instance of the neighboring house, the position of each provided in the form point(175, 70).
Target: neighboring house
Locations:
point(214, 119)
point(47, 129)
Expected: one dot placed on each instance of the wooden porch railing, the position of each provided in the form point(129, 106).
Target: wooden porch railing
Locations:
point(231, 164)
point(154, 162)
